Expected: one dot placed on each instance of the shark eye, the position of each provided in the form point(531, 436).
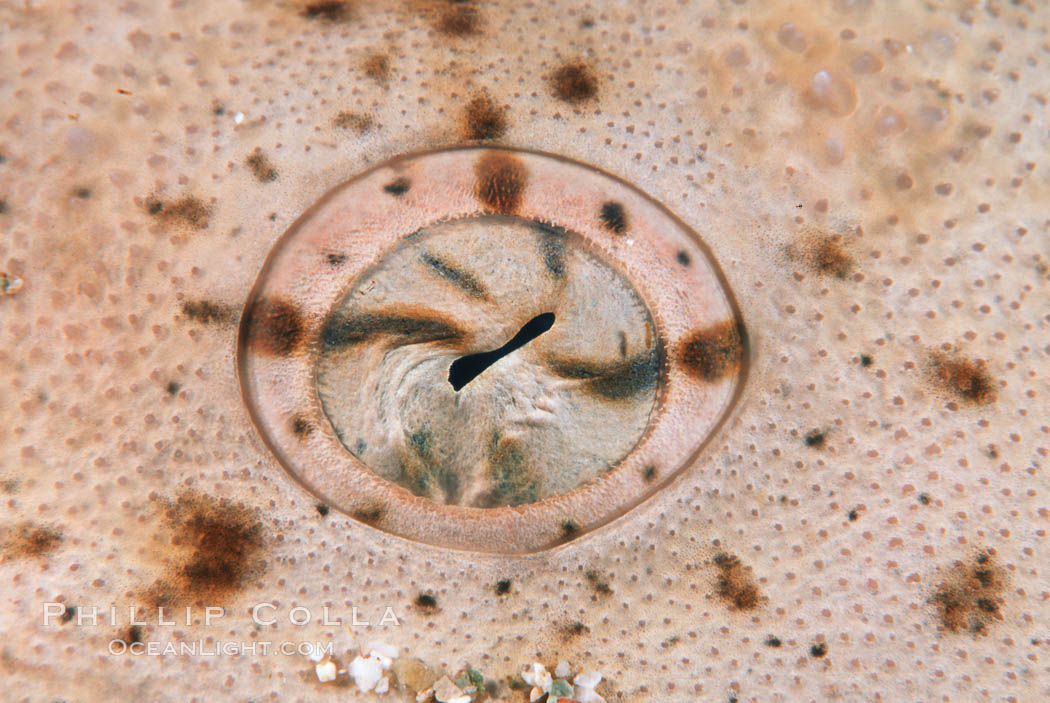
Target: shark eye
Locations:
point(488, 349)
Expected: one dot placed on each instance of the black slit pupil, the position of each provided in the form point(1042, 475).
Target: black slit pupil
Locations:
point(467, 368)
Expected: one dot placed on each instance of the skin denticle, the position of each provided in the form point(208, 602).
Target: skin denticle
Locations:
point(870, 175)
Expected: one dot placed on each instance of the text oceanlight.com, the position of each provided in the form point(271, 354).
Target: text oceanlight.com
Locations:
point(212, 648)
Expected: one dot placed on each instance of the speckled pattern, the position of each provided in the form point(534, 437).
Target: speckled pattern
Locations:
point(870, 524)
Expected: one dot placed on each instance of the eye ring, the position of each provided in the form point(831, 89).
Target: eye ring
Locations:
point(697, 324)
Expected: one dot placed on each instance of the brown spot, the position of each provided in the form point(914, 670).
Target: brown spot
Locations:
point(398, 187)
point(599, 583)
point(574, 629)
point(329, 10)
point(735, 585)
point(274, 326)
point(426, 602)
point(818, 649)
point(68, 614)
point(500, 180)
point(134, 634)
point(826, 255)
point(370, 516)
point(335, 259)
point(261, 167)
point(188, 210)
point(459, 21)
point(814, 439)
point(301, 427)
point(613, 217)
point(354, 121)
point(207, 312)
point(712, 352)
point(216, 548)
point(574, 82)
point(484, 119)
point(649, 474)
point(30, 540)
point(377, 67)
point(971, 596)
point(967, 379)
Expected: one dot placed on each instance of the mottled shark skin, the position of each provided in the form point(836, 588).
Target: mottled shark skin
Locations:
point(870, 524)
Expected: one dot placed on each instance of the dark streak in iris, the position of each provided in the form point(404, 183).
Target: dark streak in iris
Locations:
point(616, 380)
point(552, 246)
point(344, 331)
point(464, 280)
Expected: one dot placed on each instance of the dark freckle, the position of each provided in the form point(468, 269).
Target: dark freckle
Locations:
point(967, 379)
point(187, 210)
point(852, 515)
point(683, 258)
point(274, 326)
point(134, 634)
point(68, 614)
point(484, 119)
point(219, 546)
point(586, 23)
point(173, 387)
point(301, 427)
point(574, 629)
point(865, 360)
point(772, 641)
point(569, 528)
point(218, 109)
point(574, 82)
point(354, 121)
point(322, 509)
point(500, 180)
point(818, 650)
point(826, 255)
point(261, 167)
point(462, 21)
point(649, 473)
point(502, 587)
point(426, 601)
point(398, 186)
point(82, 193)
point(814, 439)
point(712, 352)
point(924, 498)
point(377, 67)
point(273, 217)
point(599, 583)
point(369, 516)
point(29, 540)
point(735, 585)
point(971, 596)
point(330, 10)
point(3, 206)
point(206, 312)
point(613, 217)
point(335, 259)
